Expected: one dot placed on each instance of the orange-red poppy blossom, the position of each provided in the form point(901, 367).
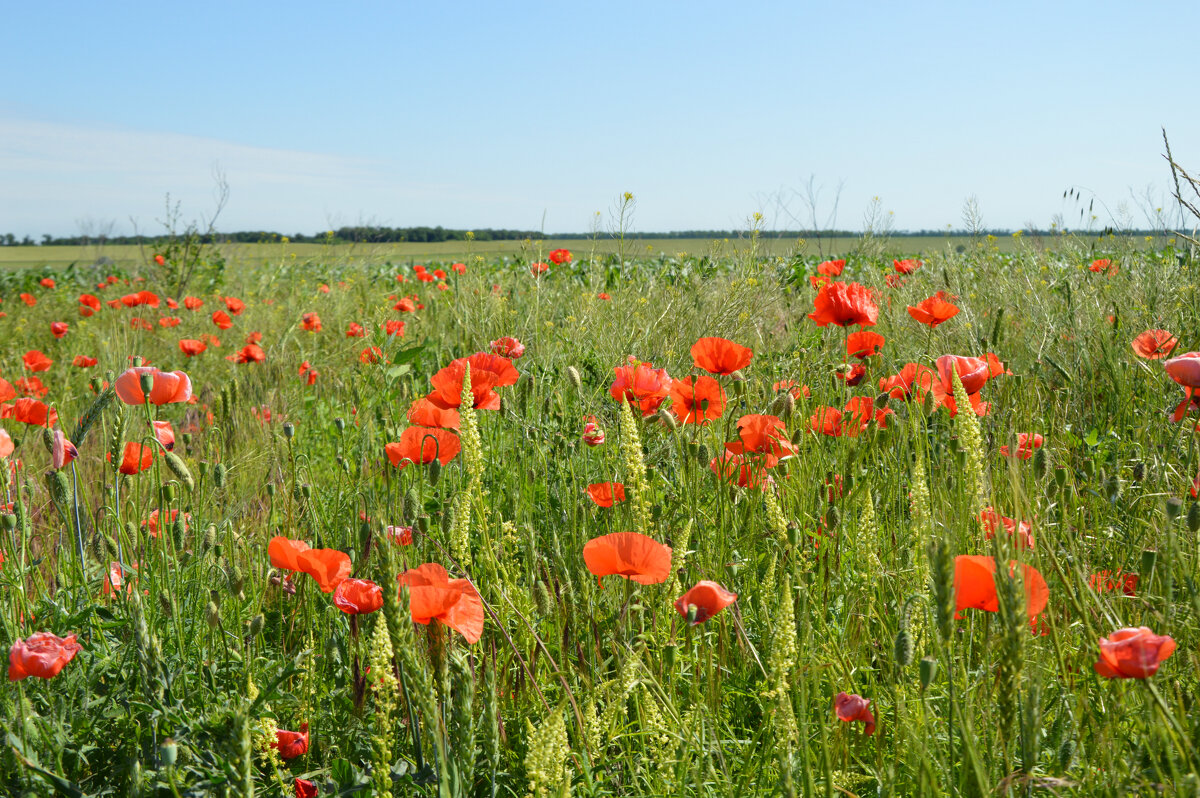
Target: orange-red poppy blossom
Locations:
point(89, 304)
point(1133, 653)
point(235, 305)
point(560, 256)
point(433, 595)
point(58, 328)
point(84, 362)
point(480, 362)
point(630, 555)
point(447, 386)
point(167, 387)
point(62, 451)
point(606, 494)
point(975, 585)
point(697, 400)
point(393, 328)
point(193, 302)
point(1027, 442)
point(424, 413)
point(906, 265)
point(864, 343)
point(798, 391)
point(311, 322)
point(358, 596)
point(285, 553)
point(843, 305)
point(831, 268)
point(423, 445)
point(935, 310)
point(191, 347)
point(744, 469)
point(851, 707)
point(1185, 369)
point(250, 353)
point(720, 356)
point(136, 458)
point(6, 444)
point(305, 788)
point(42, 654)
point(507, 347)
point(1106, 581)
point(151, 524)
point(34, 413)
point(915, 379)
point(355, 330)
point(703, 601)
point(164, 433)
point(1022, 532)
point(1103, 264)
point(1154, 344)
point(328, 566)
point(537, 269)
point(291, 744)
point(642, 384)
point(35, 360)
point(222, 320)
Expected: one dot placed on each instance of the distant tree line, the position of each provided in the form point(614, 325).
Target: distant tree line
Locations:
point(434, 235)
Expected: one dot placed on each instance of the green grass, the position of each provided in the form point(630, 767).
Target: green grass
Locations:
point(605, 691)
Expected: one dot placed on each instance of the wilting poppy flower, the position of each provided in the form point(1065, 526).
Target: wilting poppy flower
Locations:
point(507, 347)
point(423, 445)
point(764, 434)
point(593, 435)
point(1133, 653)
point(852, 707)
point(703, 601)
point(88, 304)
point(641, 383)
point(222, 320)
point(58, 329)
point(84, 362)
point(432, 594)
point(425, 413)
point(560, 256)
point(29, 299)
point(864, 343)
point(843, 305)
point(291, 744)
point(311, 322)
point(191, 347)
point(447, 386)
point(168, 386)
point(328, 566)
point(1101, 264)
point(358, 596)
point(1022, 532)
point(907, 265)
point(1154, 344)
point(1106, 581)
point(934, 310)
point(696, 400)
point(975, 586)
point(630, 555)
point(136, 459)
point(165, 434)
point(1026, 443)
point(831, 268)
point(35, 361)
point(34, 413)
point(285, 553)
point(62, 451)
point(250, 353)
point(720, 356)
point(606, 494)
point(538, 269)
point(43, 654)
point(305, 788)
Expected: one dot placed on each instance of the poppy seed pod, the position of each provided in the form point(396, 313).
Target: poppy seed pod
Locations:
point(668, 420)
point(289, 430)
point(210, 538)
point(339, 424)
point(1173, 508)
point(168, 752)
point(146, 382)
point(1193, 518)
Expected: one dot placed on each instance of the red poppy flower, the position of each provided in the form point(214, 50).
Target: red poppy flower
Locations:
point(305, 789)
point(88, 304)
point(311, 322)
point(6, 446)
point(400, 535)
point(447, 386)
point(480, 362)
point(222, 320)
point(285, 553)
point(852, 707)
point(797, 390)
point(84, 362)
point(235, 305)
point(355, 330)
point(934, 310)
point(151, 524)
point(458, 268)
point(193, 302)
point(560, 256)
point(1027, 442)
point(537, 269)
point(425, 276)
point(425, 413)
point(1154, 344)
point(507, 347)
point(974, 372)
point(165, 434)
point(160, 260)
point(423, 445)
point(851, 374)
point(250, 353)
point(720, 356)
point(393, 328)
point(29, 299)
point(641, 383)
point(831, 268)
point(1133, 653)
point(1023, 531)
point(432, 594)
point(291, 744)
point(764, 434)
point(745, 469)
point(630, 555)
point(843, 305)
point(329, 567)
point(705, 600)
point(864, 343)
point(34, 413)
point(603, 296)
point(172, 304)
point(58, 329)
point(1105, 582)
point(191, 347)
point(862, 411)
point(606, 494)
point(1185, 369)
point(136, 458)
point(372, 354)
point(405, 305)
point(168, 386)
point(43, 654)
point(166, 322)
point(907, 265)
point(975, 586)
point(114, 580)
point(32, 386)
point(593, 435)
point(47, 282)
point(36, 360)
point(1102, 264)
point(696, 400)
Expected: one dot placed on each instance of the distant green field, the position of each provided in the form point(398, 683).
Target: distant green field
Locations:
point(128, 255)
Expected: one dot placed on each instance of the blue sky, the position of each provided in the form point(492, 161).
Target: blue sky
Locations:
point(532, 115)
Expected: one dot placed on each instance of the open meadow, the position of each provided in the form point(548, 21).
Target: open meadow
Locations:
point(664, 519)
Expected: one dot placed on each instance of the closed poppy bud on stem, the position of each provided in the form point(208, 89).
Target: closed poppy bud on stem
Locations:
point(219, 475)
point(1193, 518)
point(928, 672)
point(1173, 508)
point(435, 472)
point(573, 377)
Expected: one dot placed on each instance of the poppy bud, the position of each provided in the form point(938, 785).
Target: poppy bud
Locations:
point(289, 430)
point(904, 649)
point(410, 505)
point(928, 670)
point(167, 492)
point(178, 528)
point(339, 424)
point(210, 538)
point(573, 377)
point(271, 489)
point(832, 517)
point(1039, 463)
point(145, 382)
point(1193, 518)
point(1174, 507)
point(1149, 560)
point(167, 753)
point(1066, 754)
point(164, 603)
point(423, 524)
point(667, 418)
point(212, 614)
point(219, 475)
point(702, 453)
point(8, 521)
point(1060, 477)
point(435, 472)
point(306, 490)
point(789, 406)
point(669, 657)
point(793, 535)
point(48, 439)
point(186, 437)
point(60, 489)
point(256, 625)
point(179, 468)
point(1089, 467)
point(737, 376)
point(237, 580)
